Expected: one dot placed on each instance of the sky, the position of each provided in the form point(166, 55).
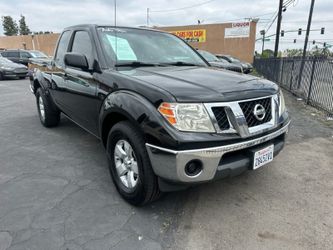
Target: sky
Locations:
point(54, 15)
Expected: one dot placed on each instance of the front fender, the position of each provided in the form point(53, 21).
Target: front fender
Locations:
point(140, 111)
point(41, 79)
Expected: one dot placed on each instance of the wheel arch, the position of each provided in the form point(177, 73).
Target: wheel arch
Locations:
point(126, 105)
point(36, 85)
point(111, 119)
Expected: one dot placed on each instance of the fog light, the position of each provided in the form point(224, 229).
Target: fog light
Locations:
point(193, 168)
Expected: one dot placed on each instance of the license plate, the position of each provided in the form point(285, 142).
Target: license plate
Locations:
point(263, 157)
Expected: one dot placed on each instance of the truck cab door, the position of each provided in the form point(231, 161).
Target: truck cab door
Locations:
point(81, 98)
point(57, 84)
point(80, 95)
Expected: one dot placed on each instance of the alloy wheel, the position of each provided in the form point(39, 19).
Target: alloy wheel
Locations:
point(126, 164)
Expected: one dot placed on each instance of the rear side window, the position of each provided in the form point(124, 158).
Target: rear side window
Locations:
point(62, 48)
point(82, 45)
point(11, 54)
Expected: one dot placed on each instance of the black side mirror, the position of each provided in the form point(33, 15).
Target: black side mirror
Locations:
point(77, 61)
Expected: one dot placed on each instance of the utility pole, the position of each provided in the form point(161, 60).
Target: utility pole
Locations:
point(308, 29)
point(278, 28)
point(115, 13)
point(263, 33)
point(306, 43)
point(147, 17)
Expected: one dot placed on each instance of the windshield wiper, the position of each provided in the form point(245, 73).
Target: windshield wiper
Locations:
point(179, 63)
point(136, 64)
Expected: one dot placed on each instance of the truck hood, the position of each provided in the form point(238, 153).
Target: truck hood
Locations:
point(225, 65)
point(204, 84)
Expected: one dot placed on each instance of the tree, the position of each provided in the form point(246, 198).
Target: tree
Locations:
point(293, 52)
point(318, 52)
point(9, 26)
point(24, 29)
point(267, 53)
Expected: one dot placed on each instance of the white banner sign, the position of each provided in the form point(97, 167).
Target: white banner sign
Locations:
point(237, 30)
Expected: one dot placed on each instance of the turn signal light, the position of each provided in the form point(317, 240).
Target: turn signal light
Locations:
point(167, 110)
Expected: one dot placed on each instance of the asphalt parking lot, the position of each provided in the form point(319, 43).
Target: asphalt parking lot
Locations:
point(56, 192)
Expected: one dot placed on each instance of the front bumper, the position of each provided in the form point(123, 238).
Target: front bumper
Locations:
point(170, 164)
point(15, 73)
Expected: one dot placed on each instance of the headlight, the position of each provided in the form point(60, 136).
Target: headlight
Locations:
point(282, 105)
point(187, 117)
point(6, 68)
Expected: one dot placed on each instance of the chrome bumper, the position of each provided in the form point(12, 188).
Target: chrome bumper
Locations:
point(169, 164)
point(31, 89)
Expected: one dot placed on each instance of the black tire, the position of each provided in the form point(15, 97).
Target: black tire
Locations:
point(1, 76)
point(51, 116)
point(146, 189)
point(22, 77)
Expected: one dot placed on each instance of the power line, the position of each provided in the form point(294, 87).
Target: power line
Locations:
point(273, 21)
point(183, 8)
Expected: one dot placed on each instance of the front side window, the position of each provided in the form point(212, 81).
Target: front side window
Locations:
point(82, 45)
point(123, 45)
point(62, 48)
point(25, 55)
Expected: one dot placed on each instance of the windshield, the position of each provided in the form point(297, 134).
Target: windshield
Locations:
point(5, 60)
point(223, 60)
point(233, 59)
point(208, 56)
point(126, 45)
point(38, 54)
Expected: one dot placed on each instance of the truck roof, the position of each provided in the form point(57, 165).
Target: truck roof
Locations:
point(94, 26)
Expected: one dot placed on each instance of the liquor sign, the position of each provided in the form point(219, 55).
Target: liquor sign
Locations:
point(237, 30)
point(192, 35)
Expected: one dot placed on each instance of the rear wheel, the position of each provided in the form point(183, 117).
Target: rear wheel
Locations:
point(1, 76)
point(130, 166)
point(48, 115)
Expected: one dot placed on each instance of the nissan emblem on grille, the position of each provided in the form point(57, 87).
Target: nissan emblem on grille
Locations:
point(259, 112)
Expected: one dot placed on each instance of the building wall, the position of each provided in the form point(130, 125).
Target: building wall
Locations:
point(242, 48)
point(45, 42)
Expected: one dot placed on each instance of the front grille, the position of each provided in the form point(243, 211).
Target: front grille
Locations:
point(20, 70)
point(221, 117)
point(248, 108)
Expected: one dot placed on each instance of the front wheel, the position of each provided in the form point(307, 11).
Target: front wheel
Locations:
point(130, 166)
point(48, 115)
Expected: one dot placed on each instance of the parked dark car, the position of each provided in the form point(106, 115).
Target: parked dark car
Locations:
point(220, 63)
point(247, 67)
point(23, 56)
point(9, 69)
point(37, 59)
point(166, 118)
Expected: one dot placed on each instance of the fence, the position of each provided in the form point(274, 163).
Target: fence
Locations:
point(315, 84)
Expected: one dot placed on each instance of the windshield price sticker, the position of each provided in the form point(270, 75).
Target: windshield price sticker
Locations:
point(122, 48)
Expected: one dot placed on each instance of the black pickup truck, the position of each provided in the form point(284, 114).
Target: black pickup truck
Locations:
point(166, 118)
